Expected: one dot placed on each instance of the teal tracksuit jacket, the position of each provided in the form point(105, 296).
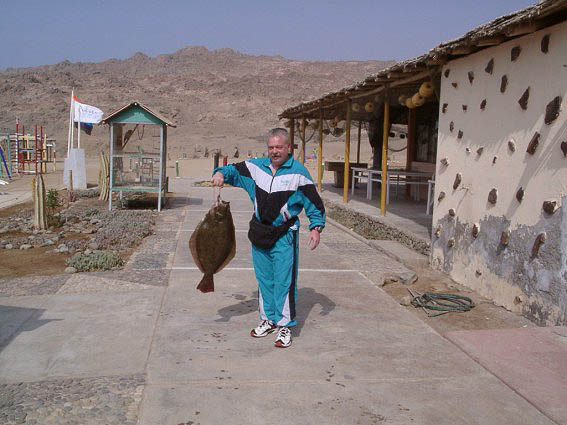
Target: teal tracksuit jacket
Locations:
point(277, 198)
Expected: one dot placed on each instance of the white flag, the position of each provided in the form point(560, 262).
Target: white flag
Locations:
point(86, 113)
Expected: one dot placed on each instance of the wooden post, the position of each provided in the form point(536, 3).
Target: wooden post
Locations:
point(347, 150)
point(320, 153)
point(384, 188)
point(291, 135)
point(303, 140)
point(358, 143)
point(410, 151)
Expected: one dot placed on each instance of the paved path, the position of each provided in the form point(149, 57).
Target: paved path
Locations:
point(141, 345)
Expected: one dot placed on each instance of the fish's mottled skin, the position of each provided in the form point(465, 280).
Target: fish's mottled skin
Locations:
point(213, 243)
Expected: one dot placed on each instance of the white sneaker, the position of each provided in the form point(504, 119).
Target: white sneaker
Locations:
point(284, 338)
point(263, 329)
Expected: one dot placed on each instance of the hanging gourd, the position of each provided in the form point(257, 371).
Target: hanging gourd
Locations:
point(355, 107)
point(402, 99)
point(418, 99)
point(426, 89)
point(409, 103)
point(369, 107)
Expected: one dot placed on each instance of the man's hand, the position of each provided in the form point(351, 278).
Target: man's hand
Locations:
point(218, 179)
point(314, 239)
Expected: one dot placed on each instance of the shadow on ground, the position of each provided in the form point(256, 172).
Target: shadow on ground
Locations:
point(15, 320)
point(308, 298)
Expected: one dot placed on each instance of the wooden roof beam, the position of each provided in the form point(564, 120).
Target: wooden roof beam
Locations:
point(490, 41)
point(395, 74)
point(463, 50)
point(436, 59)
point(525, 29)
point(414, 68)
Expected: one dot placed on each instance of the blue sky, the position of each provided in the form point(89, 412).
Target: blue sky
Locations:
point(34, 32)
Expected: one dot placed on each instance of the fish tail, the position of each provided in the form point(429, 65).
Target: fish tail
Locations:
point(207, 284)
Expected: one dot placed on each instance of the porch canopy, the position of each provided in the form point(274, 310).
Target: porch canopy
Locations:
point(378, 97)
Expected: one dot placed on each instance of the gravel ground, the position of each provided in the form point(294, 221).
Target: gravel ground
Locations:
point(101, 400)
point(371, 228)
point(32, 285)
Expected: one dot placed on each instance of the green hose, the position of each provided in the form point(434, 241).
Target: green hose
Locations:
point(441, 303)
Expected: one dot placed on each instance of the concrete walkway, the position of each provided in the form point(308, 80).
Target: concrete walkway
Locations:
point(141, 345)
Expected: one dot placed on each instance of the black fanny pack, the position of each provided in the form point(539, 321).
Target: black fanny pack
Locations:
point(264, 235)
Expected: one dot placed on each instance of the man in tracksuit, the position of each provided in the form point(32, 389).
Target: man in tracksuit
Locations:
point(280, 187)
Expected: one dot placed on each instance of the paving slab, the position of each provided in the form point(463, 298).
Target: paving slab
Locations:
point(454, 401)
point(387, 346)
point(141, 345)
point(532, 361)
point(76, 335)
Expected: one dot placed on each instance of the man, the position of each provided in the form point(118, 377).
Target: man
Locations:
point(280, 188)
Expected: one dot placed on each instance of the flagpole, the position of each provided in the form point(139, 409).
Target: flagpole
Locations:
point(79, 131)
point(73, 125)
point(70, 137)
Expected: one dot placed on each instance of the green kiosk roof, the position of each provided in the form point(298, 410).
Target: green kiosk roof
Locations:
point(136, 113)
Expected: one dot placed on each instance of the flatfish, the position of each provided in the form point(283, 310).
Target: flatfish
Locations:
point(213, 243)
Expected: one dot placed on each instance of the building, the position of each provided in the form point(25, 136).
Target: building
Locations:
point(488, 120)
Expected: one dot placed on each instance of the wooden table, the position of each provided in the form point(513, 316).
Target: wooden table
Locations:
point(339, 168)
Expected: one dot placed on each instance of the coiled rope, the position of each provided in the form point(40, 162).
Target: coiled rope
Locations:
point(441, 303)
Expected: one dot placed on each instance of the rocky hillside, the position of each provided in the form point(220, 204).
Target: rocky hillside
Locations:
point(218, 98)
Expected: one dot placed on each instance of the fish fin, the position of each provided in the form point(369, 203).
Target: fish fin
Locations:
point(207, 284)
point(229, 258)
point(193, 249)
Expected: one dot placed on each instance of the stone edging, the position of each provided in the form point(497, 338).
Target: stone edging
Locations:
point(386, 231)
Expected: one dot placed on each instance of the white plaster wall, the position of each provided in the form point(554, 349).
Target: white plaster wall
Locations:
point(543, 175)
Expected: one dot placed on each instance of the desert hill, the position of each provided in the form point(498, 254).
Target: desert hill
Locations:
point(219, 98)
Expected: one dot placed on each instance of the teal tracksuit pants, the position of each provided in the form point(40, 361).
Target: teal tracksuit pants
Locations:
point(276, 273)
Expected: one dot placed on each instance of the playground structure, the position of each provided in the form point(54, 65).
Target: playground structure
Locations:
point(22, 153)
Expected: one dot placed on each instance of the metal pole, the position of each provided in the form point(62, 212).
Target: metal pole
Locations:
point(35, 150)
point(160, 165)
point(384, 188)
point(42, 150)
point(72, 122)
point(17, 147)
point(79, 131)
point(111, 167)
point(24, 147)
point(347, 150)
point(320, 153)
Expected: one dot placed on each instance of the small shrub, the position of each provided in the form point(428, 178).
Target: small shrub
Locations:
point(52, 200)
point(98, 260)
point(91, 211)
